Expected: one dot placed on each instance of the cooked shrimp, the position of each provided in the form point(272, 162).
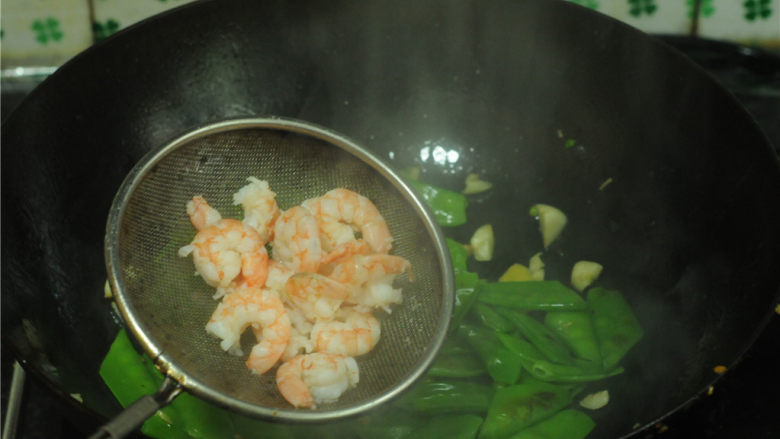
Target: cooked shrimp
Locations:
point(369, 279)
point(300, 335)
point(315, 295)
point(277, 276)
point(226, 249)
point(260, 208)
point(344, 250)
point(311, 379)
point(297, 240)
point(352, 333)
point(202, 215)
point(263, 310)
point(343, 206)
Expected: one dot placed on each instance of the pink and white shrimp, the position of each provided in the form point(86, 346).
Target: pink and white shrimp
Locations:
point(351, 333)
point(259, 308)
point(342, 251)
point(300, 334)
point(317, 296)
point(297, 240)
point(277, 278)
point(259, 205)
point(338, 208)
point(311, 379)
point(225, 248)
point(369, 279)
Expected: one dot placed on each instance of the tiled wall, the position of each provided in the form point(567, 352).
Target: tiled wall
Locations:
point(49, 32)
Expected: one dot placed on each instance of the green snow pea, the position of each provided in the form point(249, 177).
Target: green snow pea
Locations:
point(576, 327)
point(457, 366)
point(467, 291)
point(617, 328)
point(566, 424)
point(534, 363)
point(516, 407)
point(435, 397)
point(502, 364)
point(459, 255)
point(543, 338)
point(130, 376)
point(391, 423)
point(450, 427)
point(492, 319)
point(543, 295)
point(449, 208)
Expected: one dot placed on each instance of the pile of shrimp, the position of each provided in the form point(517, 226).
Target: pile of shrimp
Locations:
point(310, 303)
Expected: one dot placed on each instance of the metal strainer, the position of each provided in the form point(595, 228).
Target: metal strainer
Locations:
point(166, 307)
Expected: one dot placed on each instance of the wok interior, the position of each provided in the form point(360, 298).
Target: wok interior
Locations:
point(687, 229)
point(172, 306)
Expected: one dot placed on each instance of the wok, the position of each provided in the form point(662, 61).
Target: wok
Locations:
point(687, 229)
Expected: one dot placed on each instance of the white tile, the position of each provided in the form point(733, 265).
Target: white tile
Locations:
point(113, 15)
point(43, 32)
point(749, 21)
point(652, 16)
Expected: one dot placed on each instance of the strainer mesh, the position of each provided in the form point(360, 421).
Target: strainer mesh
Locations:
point(172, 305)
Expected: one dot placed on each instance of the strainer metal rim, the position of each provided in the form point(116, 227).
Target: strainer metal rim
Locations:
point(167, 365)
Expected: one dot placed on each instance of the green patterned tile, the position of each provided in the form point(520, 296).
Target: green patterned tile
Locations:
point(113, 15)
point(752, 21)
point(43, 32)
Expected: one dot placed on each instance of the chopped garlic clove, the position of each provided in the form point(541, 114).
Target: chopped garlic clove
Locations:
point(482, 243)
point(516, 273)
point(536, 267)
point(474, 185)
point(595, 401)
point(551, 222)
point(107, 293)
point(585, 273)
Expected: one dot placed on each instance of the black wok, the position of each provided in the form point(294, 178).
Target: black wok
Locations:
point(687, 229)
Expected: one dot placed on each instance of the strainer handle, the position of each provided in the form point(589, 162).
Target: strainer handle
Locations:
point(136, 413)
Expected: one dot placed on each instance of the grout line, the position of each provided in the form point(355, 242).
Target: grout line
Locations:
point(91, 25)
point(695, 12)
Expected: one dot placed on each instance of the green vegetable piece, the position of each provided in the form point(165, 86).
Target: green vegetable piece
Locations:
point(201, 419)
point(455, 345)
point(514, 408)
point(547, 341)
point(451, 427)
point(389, 423)
point(502, 364)
point(534, 363)
point(130, 376)
point(617, 328)
point(459, 255)
point(566, 424)
point(576, 327)
point(449, 208)
point(457, 366)
point(492, 319)
point(446, 397)
point(250, 428)
point(467, 291)
point(544, 295)
point(569, 143)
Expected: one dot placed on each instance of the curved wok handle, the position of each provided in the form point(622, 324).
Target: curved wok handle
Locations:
point(136, 413)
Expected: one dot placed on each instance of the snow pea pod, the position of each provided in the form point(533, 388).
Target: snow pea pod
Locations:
point(566, 424)
point(534, 363)
point(543, 295)
point(547, 341)
point(516, 407)
point(451, 427)
point(391, 423)
point(576, 328)
point(466, 293)
point(457, 366)
point(617, 328)
point(459, 255)
point(435, 397)
point(449, 208)
point(502, 364)
point(492, 319)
